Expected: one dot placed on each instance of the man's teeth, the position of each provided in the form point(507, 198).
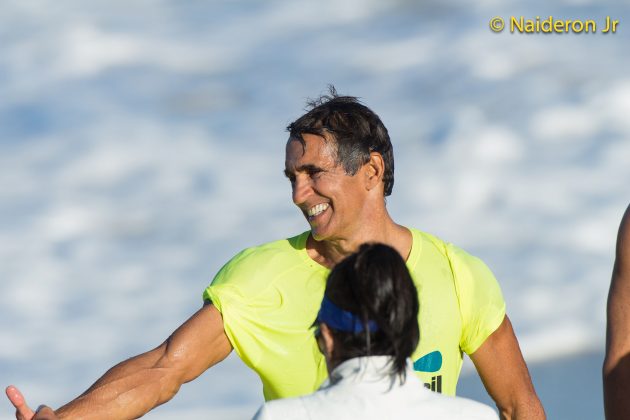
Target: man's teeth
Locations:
point(315, 210)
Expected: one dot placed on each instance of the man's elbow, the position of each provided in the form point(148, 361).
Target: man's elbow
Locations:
point(616, 369)
point(616, 381)
point(168, 391)
point(608, 368)
point(170, 370)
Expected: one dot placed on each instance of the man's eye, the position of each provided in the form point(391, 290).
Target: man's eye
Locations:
point(289, 176)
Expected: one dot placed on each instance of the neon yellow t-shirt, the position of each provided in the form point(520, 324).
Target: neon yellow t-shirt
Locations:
point(269, 297)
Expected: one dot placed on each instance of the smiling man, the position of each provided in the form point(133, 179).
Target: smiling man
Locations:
point(262, 303)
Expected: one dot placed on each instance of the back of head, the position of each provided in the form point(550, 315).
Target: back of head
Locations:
point(355, 128)
point(375, 285)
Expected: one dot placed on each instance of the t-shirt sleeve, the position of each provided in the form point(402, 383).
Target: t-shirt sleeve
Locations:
point(231, 293)
point(480, 299)
point(221, 290)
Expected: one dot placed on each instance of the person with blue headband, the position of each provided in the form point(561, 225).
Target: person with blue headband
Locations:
point(367, 330)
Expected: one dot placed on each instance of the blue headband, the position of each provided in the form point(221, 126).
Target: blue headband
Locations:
point(340, 319)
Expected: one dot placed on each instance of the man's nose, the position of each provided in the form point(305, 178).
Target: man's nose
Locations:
point(301, 189)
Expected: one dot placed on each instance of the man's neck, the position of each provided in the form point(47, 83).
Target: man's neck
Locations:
point(329, 252)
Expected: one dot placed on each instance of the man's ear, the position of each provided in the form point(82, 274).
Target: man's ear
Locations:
point(329, 343)
point(374, 170)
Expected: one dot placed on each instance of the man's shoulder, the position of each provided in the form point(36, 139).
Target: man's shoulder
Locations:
point(431, 246)
point(445, 248)
point(434, 252)
point(426, 237)
point(624, 229)
point(260, 259)
point(287, 247)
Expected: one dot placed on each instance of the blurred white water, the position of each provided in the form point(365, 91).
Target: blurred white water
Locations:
point(141, 145)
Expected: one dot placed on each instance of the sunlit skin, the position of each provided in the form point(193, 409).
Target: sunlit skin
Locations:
point(134, 386)
point(23, 411)
point(317, 179)
point(616, 368)
point(355, 211)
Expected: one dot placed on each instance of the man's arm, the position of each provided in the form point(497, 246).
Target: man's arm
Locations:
point(504, 373)
point(616, 369)
point(135, 386)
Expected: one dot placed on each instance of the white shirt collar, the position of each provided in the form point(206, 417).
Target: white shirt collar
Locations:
point(365, 369)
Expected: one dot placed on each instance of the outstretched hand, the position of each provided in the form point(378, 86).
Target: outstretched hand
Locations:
point(23, 411)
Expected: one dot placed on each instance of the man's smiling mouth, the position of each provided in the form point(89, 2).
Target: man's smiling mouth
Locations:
point(317, 210)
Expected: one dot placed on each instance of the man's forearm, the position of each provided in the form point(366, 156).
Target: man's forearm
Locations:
point(502, 369)
point(128, 390)
point(135, 386)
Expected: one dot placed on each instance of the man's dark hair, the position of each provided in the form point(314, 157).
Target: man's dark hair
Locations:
point(356, 129)
point(375, 285)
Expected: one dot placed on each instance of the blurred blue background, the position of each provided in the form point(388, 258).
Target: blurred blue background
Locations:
point(142, 145)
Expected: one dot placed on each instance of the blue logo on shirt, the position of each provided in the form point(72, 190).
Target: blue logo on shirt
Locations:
point(431, 362)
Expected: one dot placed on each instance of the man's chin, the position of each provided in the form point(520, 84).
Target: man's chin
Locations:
point(317, 234)
point(316, 237)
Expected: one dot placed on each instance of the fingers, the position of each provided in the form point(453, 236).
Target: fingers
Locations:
point(45, 413)
point(22, 411)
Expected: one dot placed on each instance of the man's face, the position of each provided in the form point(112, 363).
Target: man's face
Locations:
point(330, 200)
